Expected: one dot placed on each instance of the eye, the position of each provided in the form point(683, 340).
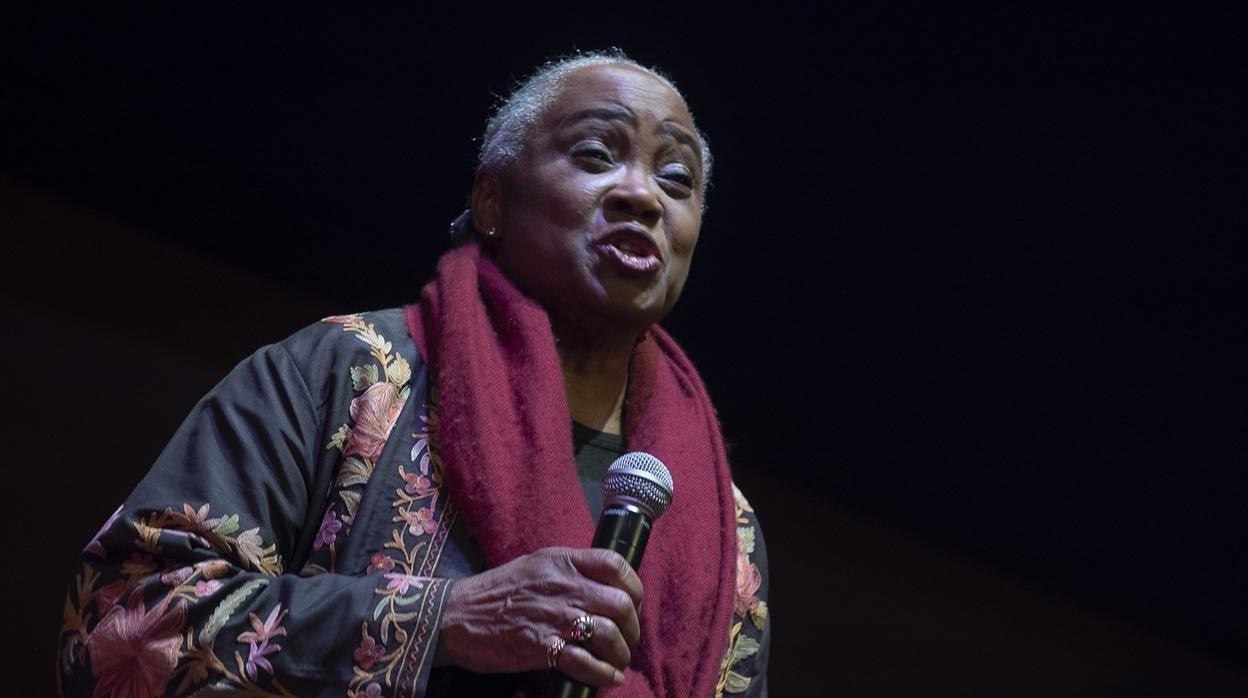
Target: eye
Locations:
point(594, 152)
point(677, 174)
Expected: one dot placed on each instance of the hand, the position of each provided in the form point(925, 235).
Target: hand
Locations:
point(503, 619)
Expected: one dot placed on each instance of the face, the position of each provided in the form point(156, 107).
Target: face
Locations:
point(598, 218)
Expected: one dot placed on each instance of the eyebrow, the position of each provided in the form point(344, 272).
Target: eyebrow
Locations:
point(682, 136)
point(669, 128)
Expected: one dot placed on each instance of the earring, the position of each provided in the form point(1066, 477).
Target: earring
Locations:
point(491, 232)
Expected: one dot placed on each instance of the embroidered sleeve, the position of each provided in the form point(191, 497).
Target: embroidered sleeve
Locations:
point(186, 589)
point(744, 668)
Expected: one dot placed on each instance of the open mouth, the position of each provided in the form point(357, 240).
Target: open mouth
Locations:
point(632, 242)
point(629, 248)
point(632, 252)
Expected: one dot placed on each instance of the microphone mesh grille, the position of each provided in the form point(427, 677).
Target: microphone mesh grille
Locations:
point(642, 477)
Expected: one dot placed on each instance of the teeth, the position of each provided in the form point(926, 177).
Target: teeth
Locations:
point(627, 249)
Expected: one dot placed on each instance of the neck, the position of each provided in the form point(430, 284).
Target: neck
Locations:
point(595, 375)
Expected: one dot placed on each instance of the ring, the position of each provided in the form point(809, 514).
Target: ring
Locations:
point(553, 650)
point(583, 629)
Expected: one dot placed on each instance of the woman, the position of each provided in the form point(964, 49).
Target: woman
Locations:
point(390, 504)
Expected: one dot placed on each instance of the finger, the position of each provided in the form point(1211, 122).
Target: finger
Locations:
point(607, 643)
point(610, 568)
point(616, 606)
point(578, 664)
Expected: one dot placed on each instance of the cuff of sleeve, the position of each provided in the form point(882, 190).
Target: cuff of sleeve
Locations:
point(422, 639)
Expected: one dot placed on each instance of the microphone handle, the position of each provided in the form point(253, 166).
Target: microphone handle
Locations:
point(625, 529)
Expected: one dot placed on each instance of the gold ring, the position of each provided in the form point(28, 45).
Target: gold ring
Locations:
point(553, 650)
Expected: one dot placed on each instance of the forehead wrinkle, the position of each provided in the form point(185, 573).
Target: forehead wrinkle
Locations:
point(672, 128)
point(622, 113)
point(618, 94)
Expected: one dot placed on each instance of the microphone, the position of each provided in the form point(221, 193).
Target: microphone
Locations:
point(636, 490)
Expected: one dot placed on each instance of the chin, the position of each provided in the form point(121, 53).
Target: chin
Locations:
point(638, 317)
point(618, 321)
point(622, 307)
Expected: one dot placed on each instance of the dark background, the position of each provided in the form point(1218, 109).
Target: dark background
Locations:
point(967, 298)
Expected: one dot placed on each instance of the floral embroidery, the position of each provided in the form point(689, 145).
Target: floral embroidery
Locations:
point(374, 413)
point(330, 526)
point(137, 567)
point(379, 562)
point(373, 690)
point(384, 389)
point(748, 576)
point(201, 660)
point(136, 650)
point(263, 633)
point(369, 652)
point(417, 484)
point(746, 605)
point(420, 521)
point(402, 582)
point(205, 589)
point(128, 624)
point(108, 597)
point(406, 607)
point(194, 525)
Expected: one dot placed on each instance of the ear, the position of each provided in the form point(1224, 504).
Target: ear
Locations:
point(487, 201)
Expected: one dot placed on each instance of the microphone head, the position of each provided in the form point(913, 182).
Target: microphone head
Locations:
point(641, 479)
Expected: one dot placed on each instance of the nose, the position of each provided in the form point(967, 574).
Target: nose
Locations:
point(634, 196)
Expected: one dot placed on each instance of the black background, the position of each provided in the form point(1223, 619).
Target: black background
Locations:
point(970, 275)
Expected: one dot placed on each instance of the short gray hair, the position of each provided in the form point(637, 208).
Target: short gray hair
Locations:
point(508, 130)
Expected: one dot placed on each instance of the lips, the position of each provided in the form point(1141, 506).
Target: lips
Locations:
point(631, 251)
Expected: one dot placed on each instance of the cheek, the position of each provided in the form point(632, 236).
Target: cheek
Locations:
point(565, 197)
point(684, 237)
point(685, 227)
point(550, 217)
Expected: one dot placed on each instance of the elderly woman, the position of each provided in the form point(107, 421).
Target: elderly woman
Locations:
point(401, 502)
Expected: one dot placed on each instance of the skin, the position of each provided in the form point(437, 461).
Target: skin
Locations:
point(616, 147)
point(580, 176)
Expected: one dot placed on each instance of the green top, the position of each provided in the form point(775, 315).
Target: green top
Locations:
point(595, 452)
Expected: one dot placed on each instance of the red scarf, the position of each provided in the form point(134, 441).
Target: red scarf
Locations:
point(506, 443)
